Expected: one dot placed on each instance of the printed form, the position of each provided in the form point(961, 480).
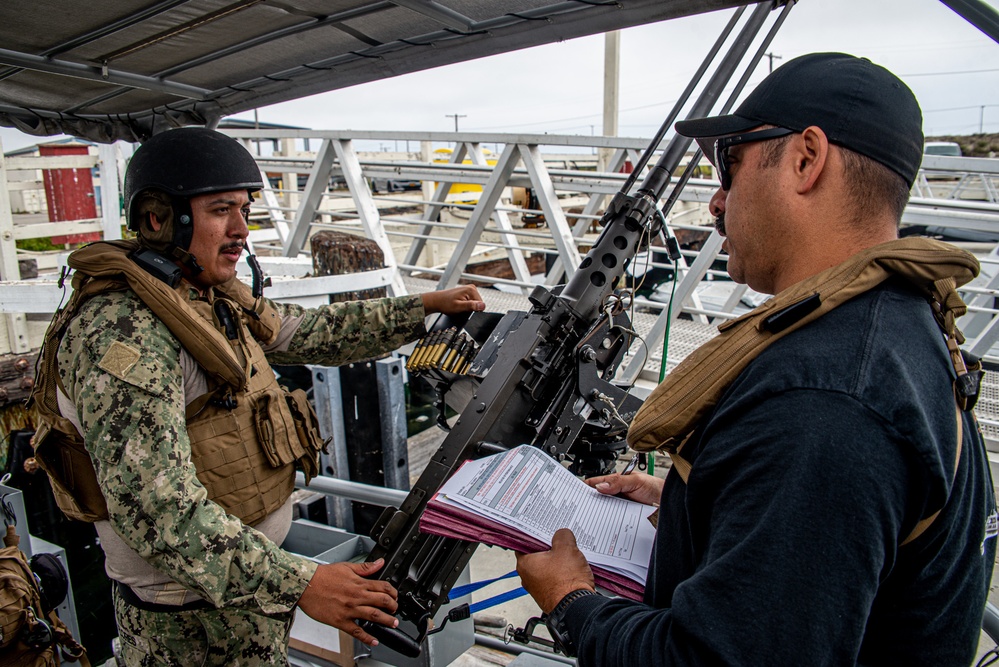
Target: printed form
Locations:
point(529, 491)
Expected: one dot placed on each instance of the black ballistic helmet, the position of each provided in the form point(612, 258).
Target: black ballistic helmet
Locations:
point(188, 161)
point(53, 582)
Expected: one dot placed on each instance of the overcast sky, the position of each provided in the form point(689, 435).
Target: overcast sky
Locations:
point(951, 67)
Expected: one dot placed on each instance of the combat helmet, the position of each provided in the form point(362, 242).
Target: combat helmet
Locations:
point(174, 166)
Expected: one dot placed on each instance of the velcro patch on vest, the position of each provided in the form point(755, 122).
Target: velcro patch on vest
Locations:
point(119, 360)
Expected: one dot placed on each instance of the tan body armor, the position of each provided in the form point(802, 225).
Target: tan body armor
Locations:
point(246, 432)
point(672, 412)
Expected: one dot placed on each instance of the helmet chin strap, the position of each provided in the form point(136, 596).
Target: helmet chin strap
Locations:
point(186, 259)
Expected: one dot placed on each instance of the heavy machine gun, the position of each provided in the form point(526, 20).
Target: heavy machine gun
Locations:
point(545, 377)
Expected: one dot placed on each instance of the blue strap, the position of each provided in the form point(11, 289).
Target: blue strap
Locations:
point(462, 591)
point(497, 599)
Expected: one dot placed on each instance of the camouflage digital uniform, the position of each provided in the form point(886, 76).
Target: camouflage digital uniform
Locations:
point(134, 428)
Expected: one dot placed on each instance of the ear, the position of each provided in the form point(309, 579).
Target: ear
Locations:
point(154, 222)
point(811, 155)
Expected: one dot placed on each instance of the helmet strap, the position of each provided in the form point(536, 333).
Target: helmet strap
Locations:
point(183, 232)
point(187, 260)
point(183, 222)
point(173, 237)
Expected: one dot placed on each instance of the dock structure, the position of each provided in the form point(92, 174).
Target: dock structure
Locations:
point(508, 212)
point(517, 201)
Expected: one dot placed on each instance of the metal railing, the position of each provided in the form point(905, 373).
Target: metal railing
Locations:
point(495, 197)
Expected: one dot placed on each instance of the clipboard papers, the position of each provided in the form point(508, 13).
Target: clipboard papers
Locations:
point(518, 499)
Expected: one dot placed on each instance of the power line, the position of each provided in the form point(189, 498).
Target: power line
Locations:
point(969, 71)
point(537, 122)
point(563, 120)
point(981, 112)
point(670, 102)
point(970, 106)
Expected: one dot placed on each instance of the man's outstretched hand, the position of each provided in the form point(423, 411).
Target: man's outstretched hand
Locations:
point(339, 595)
point(453, 301)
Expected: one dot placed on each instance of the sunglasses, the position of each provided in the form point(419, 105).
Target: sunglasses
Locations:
point(723, 144)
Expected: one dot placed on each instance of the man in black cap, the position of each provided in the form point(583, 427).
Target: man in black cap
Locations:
point(830, 500)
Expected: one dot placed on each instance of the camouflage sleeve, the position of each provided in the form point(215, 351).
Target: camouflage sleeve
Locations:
point(344, 332)
point(121, 367)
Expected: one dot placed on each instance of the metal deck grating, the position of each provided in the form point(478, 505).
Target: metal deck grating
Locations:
point(685, 336)
point(987, 410)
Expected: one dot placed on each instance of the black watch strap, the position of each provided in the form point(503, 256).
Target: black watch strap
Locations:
point(555, 621)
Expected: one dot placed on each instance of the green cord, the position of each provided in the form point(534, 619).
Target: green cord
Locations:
point(669, 321)
point(662, 365)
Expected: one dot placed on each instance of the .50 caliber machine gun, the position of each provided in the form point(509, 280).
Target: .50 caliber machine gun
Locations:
point(542, 377)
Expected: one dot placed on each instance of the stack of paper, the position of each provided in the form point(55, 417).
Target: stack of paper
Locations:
point(518, 499)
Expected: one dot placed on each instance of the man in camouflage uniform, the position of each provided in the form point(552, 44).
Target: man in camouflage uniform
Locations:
point(195, 584)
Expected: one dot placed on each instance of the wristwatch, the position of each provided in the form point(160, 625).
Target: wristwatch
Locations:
point(555, 620)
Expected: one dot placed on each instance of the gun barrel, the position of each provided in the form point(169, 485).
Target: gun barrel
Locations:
point(627, 225)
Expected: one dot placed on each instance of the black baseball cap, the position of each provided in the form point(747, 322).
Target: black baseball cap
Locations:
point(859, 105)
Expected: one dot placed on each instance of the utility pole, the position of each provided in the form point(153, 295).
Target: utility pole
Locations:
point(256, 126)
point(612, 86)
point(456, 117)
point(981, 116)
point(773, 57)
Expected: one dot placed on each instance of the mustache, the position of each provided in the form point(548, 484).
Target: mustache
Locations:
point(233, 245)
point(720, 224)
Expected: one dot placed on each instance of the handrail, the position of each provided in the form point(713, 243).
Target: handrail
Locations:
point(425, 227)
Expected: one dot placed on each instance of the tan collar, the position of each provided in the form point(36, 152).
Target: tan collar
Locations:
point(692, 390)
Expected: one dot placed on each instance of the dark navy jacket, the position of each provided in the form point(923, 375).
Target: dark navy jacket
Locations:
point(783, 548)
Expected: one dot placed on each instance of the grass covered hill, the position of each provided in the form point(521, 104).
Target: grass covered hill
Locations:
point(974, 145)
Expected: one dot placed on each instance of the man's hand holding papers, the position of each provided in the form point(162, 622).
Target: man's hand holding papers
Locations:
point(520, 498)
point(551, 575)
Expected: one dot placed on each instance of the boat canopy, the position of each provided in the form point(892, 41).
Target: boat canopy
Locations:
point(127, 69)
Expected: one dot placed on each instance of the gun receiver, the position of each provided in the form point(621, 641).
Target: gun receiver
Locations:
point(546, 387)
point(542, 377)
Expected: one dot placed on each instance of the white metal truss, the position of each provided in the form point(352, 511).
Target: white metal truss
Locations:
point(342, 151)
point(544, 190)
point(319, 178)
point(366, 208)
point(480, 215)
point(514, 252)
point(957, 178)
point(433, 209)
point(15, 322)
point(273, 208)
